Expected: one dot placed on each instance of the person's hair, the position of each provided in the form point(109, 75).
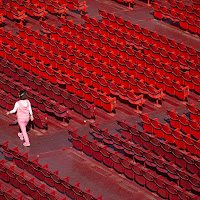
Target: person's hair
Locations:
point(22, 95)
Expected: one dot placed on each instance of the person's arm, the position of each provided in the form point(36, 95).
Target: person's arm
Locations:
point(14, 109)
point(30, 111)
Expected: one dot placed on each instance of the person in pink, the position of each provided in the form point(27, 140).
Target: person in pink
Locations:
point(24, 114)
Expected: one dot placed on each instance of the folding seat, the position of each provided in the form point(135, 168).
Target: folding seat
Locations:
point(157, 129)
point(76, 103)
point(106, 157)
point(61, 35)
point(113, 88)
point(140, 58)
point(165, 12)
point(68, 82)
point(174, 119)
point(87, 34)
point(26, 46)
point(78, 88)
point(167, 151)
point(76, 139)
point(133, 84)
point(108, 103)
point(159, 81)
point(149, 63)
point(192, 54)
point(194, 112)
point(104, 85)
point(125, 129)
point(149, 76)
point(172, 172)
point(40, 120)
point(183, 50)
point(149, 156)
point(62, 50)
point(146, 122)
point(45, 41)
point(161, 187)
point(181, 8)
point(190, 11)
point(184, 179)
point(146, 140)
point(104, 16)
point(123, 78)
point(61, 112)
point(157, 11)
point(191, 25)
point(95, 82)
point(178, 138)
point(173, 46)
point(160, 165)
point(136, 43)
point(172, 191)
point(138, 31)
point(96, 151)
point(29, 34)
point(195, 129)
point(178, 75)
point(181, 92)
point(138, 174)
point(113, 47)
point(179, 155)
point(96, 97)
point(7, 8)
point(9, 39)
point(66, 98)
point(164, 56)
point(88, 110)
point(8, 52)
point(115, 76)
point(173, 15)
point(156, 39)
point(155, 52)
point(186, 195)
point(53, 46)
point(191, 164)
point(196, 82)
point(194, 179)
point(149, 180)
point(169, 86)
point(167, 133)
point(95, 51)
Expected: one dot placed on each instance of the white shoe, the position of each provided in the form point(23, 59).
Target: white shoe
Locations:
point(26, 145)
point(20, 136)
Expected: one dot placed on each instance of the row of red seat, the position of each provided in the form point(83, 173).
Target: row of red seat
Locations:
point(188, 22)
point(129, 168)
point(78, 56)
point(187, 10)
point(159, 147)
point(118, 57)
point(8, 193)
point(52, 6)
point(91, 80)
point(151, 37)
point(11, 12)
point(194, 112)
point(42, 91)
point(174, 136)
point(148, 157)
point(43, 174)
point(81, 89)
point(19, 181)
point(186, 125)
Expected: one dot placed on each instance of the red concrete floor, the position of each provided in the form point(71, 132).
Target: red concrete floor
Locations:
point(53, 147)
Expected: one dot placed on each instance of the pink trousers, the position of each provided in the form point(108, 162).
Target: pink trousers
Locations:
point(23, 123)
